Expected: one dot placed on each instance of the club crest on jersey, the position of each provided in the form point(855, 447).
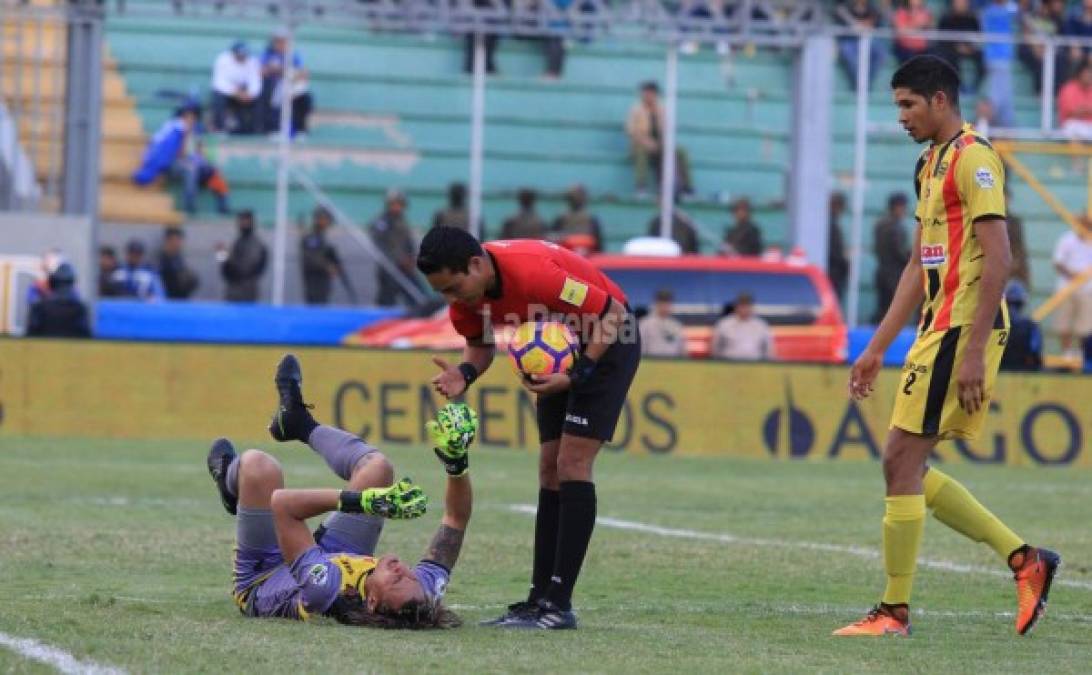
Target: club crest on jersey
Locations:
point(983, 177)
point(574, 292)
point(317, 574)
point(932, 255)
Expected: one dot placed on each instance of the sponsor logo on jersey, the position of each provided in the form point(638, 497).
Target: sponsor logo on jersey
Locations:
point(574, 292)
point(318, 574)
point(932, 255)
point(942, 169)
point(983, 177)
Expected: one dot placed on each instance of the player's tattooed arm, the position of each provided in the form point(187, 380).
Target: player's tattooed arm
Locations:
point(445, 546)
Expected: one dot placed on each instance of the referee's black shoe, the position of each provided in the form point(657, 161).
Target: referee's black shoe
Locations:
point(292, 421)
point(221, 455)
point(547, 616)
point(517, 611)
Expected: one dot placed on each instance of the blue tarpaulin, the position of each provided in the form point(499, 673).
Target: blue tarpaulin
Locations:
point(232, 322)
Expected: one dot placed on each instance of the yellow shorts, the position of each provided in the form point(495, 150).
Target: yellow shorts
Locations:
point(927, 401)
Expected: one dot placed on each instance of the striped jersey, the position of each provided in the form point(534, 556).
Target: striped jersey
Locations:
point(957, 183)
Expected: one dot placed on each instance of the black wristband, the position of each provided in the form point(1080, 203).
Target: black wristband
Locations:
point(582, 370)
point(470, 373)
point(349, 502)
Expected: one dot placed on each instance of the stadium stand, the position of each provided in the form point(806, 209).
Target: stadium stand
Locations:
point(394, 111)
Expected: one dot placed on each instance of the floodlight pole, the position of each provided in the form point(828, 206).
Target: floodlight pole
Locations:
point(284, 154)
point(1046, 93)
point(477, 133)
point(667, 147)
point(853, 301)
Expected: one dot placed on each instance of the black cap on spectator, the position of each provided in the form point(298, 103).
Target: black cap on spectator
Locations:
point(134, 246)
point(174, 231)
point(744, 298)
point(665, 295)
point(897, 199)
point(650, 85)
point(108, 250)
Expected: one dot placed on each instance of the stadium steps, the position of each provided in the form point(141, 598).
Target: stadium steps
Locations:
point(32, 82)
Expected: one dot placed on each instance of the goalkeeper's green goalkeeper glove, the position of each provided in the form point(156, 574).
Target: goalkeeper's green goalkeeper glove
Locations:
point(452, 432)
point(401, 501)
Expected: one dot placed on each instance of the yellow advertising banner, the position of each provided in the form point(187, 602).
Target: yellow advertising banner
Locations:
point(782, 411)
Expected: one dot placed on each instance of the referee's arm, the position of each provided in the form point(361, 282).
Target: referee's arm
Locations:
point(605, 329)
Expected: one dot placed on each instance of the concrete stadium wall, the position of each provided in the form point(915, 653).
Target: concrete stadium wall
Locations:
point(34, 234)
point(142, 390)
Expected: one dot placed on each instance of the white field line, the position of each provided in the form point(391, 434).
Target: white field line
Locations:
point(860, 552)
point(51, 656)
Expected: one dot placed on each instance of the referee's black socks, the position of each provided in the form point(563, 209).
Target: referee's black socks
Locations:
point(546, 525)
point(575, 524)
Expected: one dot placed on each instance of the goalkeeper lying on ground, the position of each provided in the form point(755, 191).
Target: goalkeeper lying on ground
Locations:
point(283, 570)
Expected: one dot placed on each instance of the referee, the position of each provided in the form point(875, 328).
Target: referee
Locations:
point(510, 282)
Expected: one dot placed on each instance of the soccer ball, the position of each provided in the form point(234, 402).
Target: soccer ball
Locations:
point(542, 348)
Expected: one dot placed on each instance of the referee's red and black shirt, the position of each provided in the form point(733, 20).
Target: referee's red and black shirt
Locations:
point(534, 277)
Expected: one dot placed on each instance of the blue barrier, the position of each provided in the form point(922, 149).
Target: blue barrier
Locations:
point(232, 322)
point(895, 354)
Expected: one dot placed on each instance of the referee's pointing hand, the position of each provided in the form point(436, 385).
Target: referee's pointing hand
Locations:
point(450, 382)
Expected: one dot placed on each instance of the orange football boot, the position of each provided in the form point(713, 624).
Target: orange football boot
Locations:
point(877, 623)
point(1033, 578)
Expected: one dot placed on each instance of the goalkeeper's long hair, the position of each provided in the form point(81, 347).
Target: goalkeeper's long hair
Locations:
point(351, 611)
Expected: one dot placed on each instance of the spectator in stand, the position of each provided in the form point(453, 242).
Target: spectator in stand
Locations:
point(236, 86)
point(743, 237)
point(177, 149)
point(742, 335)
point(683, 230)
point(1045, 21)
point(108, 264)
point(913, 15)
point(1024, 348)
point(577, 221)
point(61, 313)
point(661, 333)
point(525, 223)
point(892, 252)
point(1075, 105)
point(862, 16)
point(272, 96)
point(961, 19)
point(1001, 19)
point(39, 289)
point(1021, 269)
point(837, 260)
point(456, 214)
point(393, 235)
point(645, 126)
point(179, 281)
point(244, 264)
point(135, 279)
point(1079, 24)
point(490, 39)
point(1073, 257)
point(320, 262)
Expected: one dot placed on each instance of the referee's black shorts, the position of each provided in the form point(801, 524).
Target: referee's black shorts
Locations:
point(594, 409)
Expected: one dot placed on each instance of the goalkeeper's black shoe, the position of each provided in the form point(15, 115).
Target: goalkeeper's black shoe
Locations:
point(517, 611)
point(547, 616)
point(221, 455)
point(292, 421)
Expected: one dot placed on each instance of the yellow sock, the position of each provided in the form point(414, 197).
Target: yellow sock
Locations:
point(903, 524)
point(957, 508)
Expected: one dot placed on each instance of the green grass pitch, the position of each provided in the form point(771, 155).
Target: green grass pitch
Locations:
point(119, 553)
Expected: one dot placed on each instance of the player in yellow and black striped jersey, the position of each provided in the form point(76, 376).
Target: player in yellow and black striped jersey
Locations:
point(957, 273)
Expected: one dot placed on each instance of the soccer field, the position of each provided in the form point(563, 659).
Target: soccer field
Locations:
point(119, 553)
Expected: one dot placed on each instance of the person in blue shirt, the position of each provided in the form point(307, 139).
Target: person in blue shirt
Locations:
point(136, 279)
point(1001, 19)
point(273, 64)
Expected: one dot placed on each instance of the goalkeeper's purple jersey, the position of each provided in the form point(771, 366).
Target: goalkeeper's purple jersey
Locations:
point(311, 584)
